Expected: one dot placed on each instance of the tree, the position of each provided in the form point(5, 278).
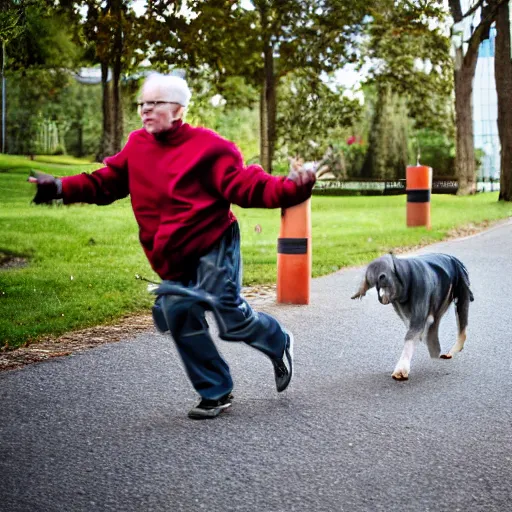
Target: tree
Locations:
point(410, 51)
point(39, 47)
point(11, 26)
point(466, 55)
point(267, 41)
point(313, 114)
point(387, 155)
point(411, 73)
point(503, 75)
point(34, 98)
point(116, 38)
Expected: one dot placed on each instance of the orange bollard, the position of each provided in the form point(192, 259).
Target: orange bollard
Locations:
point(294, 255)
point(418, 185)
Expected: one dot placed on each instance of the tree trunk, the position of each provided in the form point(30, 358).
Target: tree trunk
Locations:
point(503, 75)
point(268, 110)
point(263, 128)
point(465, 166)
point(80, 139)
point(465, 150)
point(117, 105)
point(4, 106)
point(106, 144)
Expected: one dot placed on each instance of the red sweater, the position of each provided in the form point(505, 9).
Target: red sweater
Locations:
point(181, 185)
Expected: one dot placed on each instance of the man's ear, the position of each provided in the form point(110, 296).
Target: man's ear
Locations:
point(363, 288)
point(179, 113)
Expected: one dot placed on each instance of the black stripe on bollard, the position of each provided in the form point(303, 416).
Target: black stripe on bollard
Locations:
point(418, 196)
point(292, 245)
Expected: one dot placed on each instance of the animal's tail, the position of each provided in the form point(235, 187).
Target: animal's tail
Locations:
point(463, 283)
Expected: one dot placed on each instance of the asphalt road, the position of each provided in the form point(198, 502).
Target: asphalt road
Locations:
point(106, 430)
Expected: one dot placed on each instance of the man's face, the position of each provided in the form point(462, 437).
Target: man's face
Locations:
point(157, 117)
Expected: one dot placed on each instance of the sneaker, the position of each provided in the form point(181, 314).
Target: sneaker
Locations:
point(283, 368)
point(208, 409)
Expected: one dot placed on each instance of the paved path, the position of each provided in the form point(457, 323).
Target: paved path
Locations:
point(106, 430)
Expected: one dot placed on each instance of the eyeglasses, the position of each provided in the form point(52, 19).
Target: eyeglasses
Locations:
point(153, 104)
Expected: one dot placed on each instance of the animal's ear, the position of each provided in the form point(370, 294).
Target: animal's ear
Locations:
point(363, 288)
point(398, 268)
point(394, 260)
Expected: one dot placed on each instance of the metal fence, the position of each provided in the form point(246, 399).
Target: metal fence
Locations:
point(396, 187)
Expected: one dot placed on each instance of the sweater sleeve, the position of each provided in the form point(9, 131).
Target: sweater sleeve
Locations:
point(101, 187)
point(252, 187)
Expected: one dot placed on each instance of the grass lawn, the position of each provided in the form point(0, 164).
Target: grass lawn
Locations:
point(82, 259)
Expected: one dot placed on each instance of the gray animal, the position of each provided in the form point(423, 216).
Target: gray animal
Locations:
point(421, 289)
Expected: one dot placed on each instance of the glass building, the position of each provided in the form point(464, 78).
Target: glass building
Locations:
point(485, 110)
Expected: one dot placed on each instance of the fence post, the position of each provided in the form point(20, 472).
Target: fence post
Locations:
point(418, 190)
point(294, 255)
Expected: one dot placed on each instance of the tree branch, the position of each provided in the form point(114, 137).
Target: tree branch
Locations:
point(455, 10)
point(473, 9)
point(484, 25)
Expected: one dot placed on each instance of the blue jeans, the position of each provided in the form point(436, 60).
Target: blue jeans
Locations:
point(180, 308)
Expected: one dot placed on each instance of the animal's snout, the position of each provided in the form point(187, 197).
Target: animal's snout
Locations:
point(382, 288)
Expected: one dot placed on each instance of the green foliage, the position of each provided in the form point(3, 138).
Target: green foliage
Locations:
point(307, 37)
point(112, 30)
point(237, 93)
point(412, 84)
point(82, 259)
point(228, 109)
point(354, 157)
point(387, 155)
point(343, 160)
point(333, 162)
point(237, 125)
point(312, 113)
point(241, 127)
point(11, 21)
point(42, 38)
point(39, 48)
point(411, 49)
point(436, 150)
point(281, 167)
point(34, 95)
point(279, 38)
point(81, 106)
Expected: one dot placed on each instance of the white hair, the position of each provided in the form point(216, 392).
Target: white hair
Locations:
point(174, 87)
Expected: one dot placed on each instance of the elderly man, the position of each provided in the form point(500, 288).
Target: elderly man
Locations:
point(182, 181)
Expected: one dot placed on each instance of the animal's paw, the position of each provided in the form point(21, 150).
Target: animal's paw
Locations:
point(445, 356)
point(400, 374)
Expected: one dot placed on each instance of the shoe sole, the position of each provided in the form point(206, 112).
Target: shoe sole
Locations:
point(289, 357)
point(208, 414)
point(290, 350)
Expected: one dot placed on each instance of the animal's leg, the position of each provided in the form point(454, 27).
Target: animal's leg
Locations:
point(403, 367)
point(461, 314)
point(434, 347)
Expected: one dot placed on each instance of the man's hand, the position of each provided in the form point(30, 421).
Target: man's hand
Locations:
point(299, 174)
point(48, 187)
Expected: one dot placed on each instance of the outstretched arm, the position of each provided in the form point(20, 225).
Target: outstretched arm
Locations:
point(252, 187)
point(48, 187)
point(101, 187)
